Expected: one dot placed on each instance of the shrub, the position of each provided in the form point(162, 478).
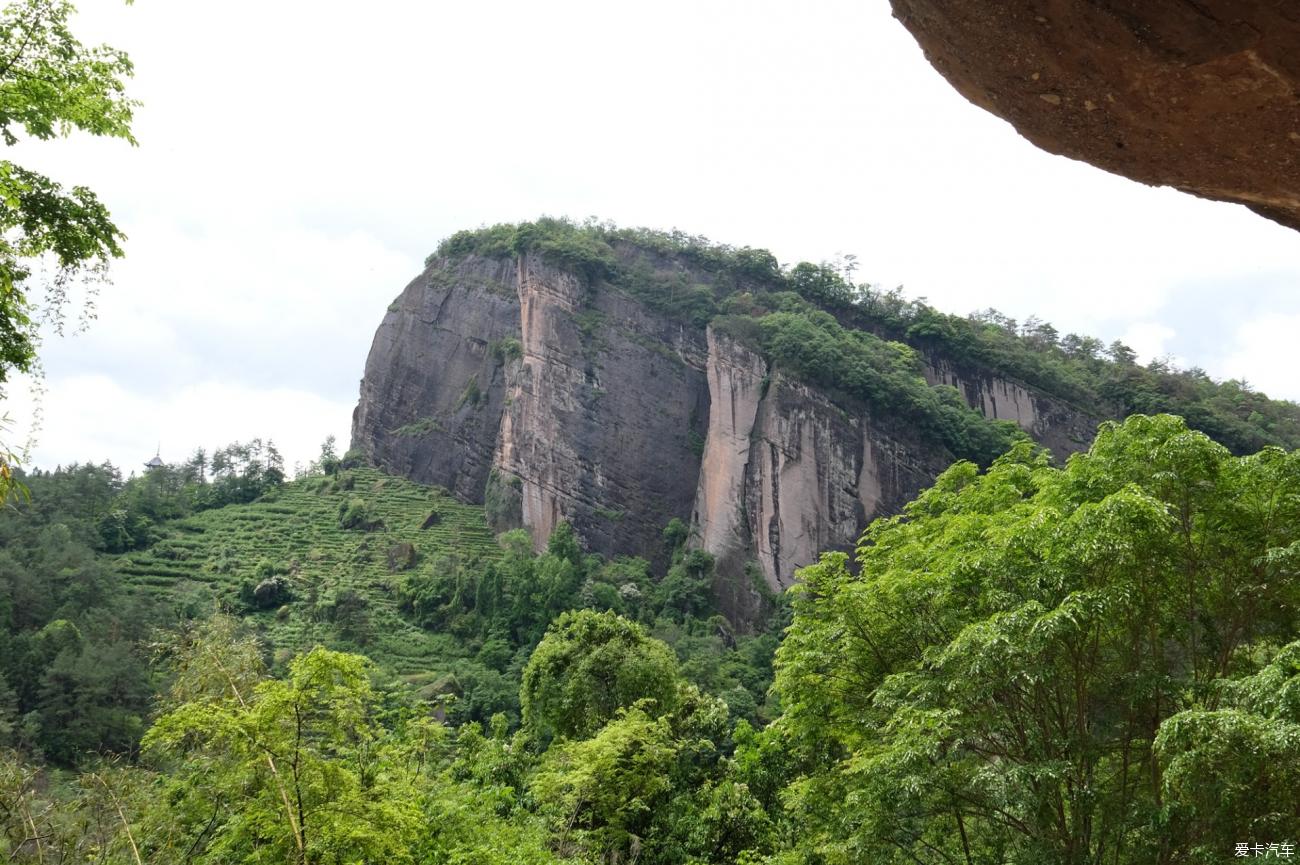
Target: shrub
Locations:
point(355, 514)
point(270, 592)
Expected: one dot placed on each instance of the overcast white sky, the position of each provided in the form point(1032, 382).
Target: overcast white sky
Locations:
point(298, 160)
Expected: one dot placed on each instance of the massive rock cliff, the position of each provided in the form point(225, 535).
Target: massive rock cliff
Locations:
point(1202, 95)
point(601, 414)
point(787, 473)
point(434, 388)
point(551, 397)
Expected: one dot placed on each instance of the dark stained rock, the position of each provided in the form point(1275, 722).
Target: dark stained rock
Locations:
point(600, 415)
point(433, 390)
point(1201, 95)
point(401, 557)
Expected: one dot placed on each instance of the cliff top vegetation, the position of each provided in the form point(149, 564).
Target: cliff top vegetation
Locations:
point(816, 321)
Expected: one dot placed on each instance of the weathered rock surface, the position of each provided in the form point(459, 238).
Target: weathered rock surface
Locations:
point(787, 474)
point(602, 414)
point(401, 557)
point(522, 385)
point(1060, 427)
point(1201, 95)
point(433, 391)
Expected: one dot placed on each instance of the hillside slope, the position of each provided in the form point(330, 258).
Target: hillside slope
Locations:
point(338, 587)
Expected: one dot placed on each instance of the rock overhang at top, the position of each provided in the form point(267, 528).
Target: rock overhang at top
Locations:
point(1200, 95)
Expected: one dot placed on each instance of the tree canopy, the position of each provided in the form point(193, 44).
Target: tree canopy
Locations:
point(587, 667)
point(50, 86)
point(1086, 664)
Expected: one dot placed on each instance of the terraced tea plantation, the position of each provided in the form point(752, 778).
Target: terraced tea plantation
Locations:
point(319, 583)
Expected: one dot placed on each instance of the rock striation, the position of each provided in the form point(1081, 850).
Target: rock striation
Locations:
point(434, 389)
point(601, 414)
point(787, 473)
point(1203, 96)
point(1061, 428)
point(528, 388)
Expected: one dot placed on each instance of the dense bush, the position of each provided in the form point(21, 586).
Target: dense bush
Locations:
point(505, 606)
point(355, 514)
point(1062, 665)
point(590, 665)
point(267, 593)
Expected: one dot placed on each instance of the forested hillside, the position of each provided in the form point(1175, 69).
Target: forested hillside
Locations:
point(344, 557)
point(616, 379)
point(1079, 664)
point(646, 550)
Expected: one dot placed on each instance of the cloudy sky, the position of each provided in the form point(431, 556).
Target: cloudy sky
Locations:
point(298, 160)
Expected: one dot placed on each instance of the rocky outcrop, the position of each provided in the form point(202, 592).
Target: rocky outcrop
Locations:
point(1061, 428)
point(1202, 96)
point(435, 381)
point(738, 383)
point(519, 385)
point(603, 415)
point(548, 398)
point(788, 474)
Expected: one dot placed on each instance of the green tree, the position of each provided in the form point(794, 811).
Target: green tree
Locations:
point(601, 794)
point(8, 713)
point(298, 770)
point(1233, 771)
point(992, 686)
point(93, 818)
point(587, 667)
point(50, 86)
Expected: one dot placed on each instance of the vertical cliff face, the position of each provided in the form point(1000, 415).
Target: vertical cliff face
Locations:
point(603, 416)
point(821, 473)
point(787, 474)
point(434, 388)
point(737, 385)
point(1061, 428)
point(551, 398)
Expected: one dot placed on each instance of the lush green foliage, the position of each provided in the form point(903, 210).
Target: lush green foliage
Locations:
point(499, 608)
point(1095, 663)
point(73, 677)
point(74, 623)
point(112, 515)
point(1231, 768)
point(349, 560)
point(50, 85)
point(1081, 370)
point(885, 375)
point(300, 769)
point(588, 667)
point(318, 560)
point(329, 765)
point(71, 656)
point(1071, 666)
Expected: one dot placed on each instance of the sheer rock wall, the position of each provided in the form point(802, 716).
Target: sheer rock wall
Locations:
point(522, 385)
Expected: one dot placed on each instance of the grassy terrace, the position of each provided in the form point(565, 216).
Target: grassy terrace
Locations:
point(206, 559)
